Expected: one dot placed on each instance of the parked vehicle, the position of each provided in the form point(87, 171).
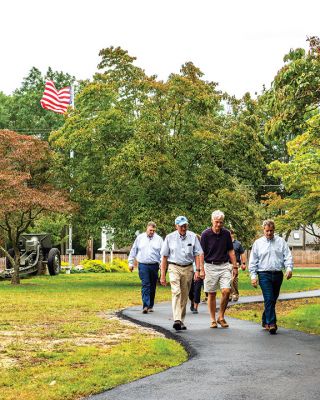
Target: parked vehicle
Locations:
point(36, 255)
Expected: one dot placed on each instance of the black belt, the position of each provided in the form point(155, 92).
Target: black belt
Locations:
point(276, 271)
point(180, 265)
point(216, 263)
point(148, 263)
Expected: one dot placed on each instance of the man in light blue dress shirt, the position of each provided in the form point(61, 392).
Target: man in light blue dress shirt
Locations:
point(270, 255)
point(180, 249)
point(146, 250)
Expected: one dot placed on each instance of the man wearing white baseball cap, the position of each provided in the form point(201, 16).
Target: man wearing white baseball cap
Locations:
point(180, 249)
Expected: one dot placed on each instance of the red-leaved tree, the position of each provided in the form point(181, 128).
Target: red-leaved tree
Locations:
point(26, 188)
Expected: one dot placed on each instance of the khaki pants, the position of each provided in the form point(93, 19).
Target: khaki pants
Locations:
point(180, 281)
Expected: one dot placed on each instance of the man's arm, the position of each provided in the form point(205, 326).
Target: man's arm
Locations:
point(132, 255)
point(164, 263)
point(253, 265)
point(243, 261)
point(201, 261)
point(232, 256)
point(288, 261)
point(198, 252)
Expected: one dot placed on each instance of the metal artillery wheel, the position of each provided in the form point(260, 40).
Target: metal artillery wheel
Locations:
point(54, 261)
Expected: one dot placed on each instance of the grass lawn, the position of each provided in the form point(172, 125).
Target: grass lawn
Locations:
point(296, 314)
point(302, 314)
point(59, 338)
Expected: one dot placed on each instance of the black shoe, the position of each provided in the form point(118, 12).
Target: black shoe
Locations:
point(183, 327)
point(177, 325)
point(273, 329)
point(192, 307)
point(145, 310)
point(150, 309)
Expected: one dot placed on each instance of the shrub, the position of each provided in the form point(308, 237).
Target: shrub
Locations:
point(118, 265)
point(94, 266)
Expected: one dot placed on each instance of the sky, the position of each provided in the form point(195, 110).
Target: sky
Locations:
point(238, 43)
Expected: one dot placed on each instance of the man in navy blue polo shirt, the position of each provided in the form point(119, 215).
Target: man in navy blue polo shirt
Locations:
point(218, 249)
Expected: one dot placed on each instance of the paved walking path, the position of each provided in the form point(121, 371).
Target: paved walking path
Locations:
point(243, 362)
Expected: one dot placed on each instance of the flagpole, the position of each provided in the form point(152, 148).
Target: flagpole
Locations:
point(70, 250)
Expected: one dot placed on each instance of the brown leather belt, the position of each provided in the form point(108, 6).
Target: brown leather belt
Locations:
point(179, 265)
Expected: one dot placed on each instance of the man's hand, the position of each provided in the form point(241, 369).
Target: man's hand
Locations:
point(196, 276)
point(288, 274)
point(254, 283)
point(202, 274)
point(163, 280)
point(243, 266)
point(131, 268)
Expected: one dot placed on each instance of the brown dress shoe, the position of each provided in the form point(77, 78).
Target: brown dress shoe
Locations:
point(213, 324)
point(223, 323)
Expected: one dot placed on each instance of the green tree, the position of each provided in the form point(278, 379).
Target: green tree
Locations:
point(147, 149)
point(4, 110)
point(300, 177)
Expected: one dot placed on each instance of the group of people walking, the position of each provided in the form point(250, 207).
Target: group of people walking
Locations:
point(214, 259)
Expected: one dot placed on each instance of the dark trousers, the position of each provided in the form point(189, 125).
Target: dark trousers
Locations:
point(195, 291)
point(270, 283)
point(148, 273)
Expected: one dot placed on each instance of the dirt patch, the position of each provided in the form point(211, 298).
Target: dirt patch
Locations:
point(30, 340)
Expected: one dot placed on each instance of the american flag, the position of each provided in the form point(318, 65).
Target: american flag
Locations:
point(56, 100)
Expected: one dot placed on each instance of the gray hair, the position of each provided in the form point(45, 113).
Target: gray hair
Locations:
point(268, 222)
point(151, 223)
point(217, 214)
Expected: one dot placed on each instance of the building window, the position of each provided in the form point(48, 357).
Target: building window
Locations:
point(296, 235)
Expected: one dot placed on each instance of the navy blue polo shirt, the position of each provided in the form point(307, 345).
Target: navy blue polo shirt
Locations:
point(238, 249)
point(216, 246)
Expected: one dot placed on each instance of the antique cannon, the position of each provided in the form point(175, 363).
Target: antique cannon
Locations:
point(36, 254)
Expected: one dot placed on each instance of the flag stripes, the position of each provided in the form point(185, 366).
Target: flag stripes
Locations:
point(56, 100)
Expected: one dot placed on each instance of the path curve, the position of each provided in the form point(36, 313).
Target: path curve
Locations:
point(243, 362)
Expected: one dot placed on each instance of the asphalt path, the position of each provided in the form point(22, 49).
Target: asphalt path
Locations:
point(243, 362)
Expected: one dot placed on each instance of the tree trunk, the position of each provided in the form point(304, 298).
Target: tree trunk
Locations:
point(89, 249)
point(15, 280)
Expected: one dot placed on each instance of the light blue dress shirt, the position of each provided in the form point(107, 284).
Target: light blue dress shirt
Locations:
point(181, 249)
point(146, 249)
point(269, 255)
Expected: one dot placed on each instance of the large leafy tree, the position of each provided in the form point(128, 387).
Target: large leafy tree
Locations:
point(293, 128)
point(178, 161)
point(147, 149)
point(27, 190)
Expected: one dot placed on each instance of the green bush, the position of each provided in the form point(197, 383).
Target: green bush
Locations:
point(117, 265)
point(94, 266)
